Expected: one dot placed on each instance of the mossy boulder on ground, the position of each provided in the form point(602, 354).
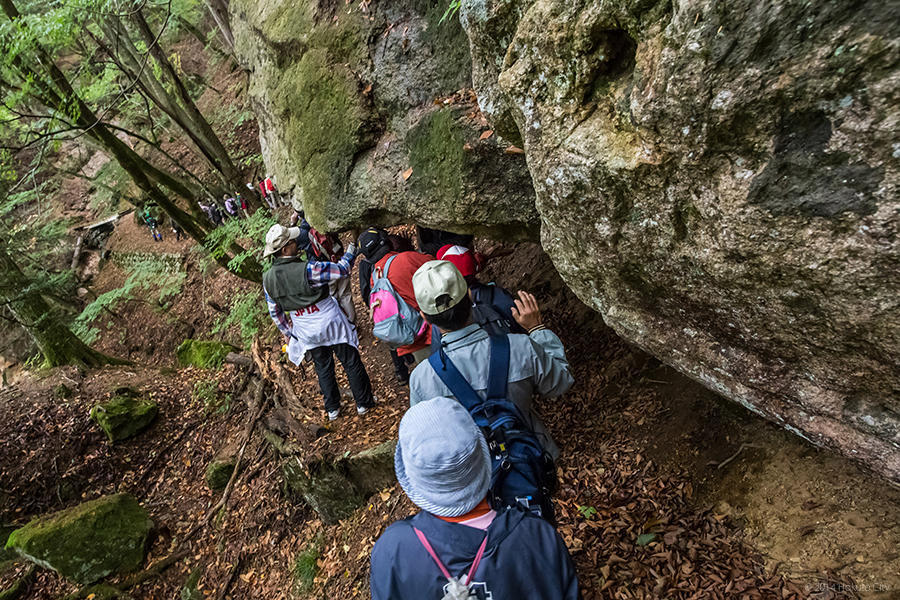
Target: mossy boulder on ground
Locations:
point(219, 472)
point(202, 353)
point(125, 415)
point(89, 541)
point(5, 553)
point(336, 487)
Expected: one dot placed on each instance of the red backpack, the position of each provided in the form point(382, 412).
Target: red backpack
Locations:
point(325, 247)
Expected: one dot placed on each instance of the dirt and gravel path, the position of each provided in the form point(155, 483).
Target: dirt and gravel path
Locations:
point(643, 505)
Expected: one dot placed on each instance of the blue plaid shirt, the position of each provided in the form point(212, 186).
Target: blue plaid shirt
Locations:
point(318, 273)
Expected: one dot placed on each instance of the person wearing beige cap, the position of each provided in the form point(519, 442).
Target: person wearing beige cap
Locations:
point(537, 360)
point(311, 320)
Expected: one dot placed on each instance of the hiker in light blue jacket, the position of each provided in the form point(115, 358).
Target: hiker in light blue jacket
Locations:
point(537, 361)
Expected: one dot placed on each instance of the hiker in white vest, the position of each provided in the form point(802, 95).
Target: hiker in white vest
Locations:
point(316, 323)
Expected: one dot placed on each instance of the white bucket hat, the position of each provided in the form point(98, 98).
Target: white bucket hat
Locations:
point(442, 460)
point(438, 286)
point(278, 237)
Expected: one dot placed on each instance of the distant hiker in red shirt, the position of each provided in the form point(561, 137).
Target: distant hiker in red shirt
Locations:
point(268, 191)
point(374, 245)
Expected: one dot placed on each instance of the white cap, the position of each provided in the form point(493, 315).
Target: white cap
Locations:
point(438, 286)
point(278, 237)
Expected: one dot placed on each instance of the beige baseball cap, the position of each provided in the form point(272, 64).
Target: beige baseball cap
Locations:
point(278, 237)
point(438, 286)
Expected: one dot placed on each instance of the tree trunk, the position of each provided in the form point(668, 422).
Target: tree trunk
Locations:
point(58, 345)
point(63, 97)
point(122, 51)
point(219, 11)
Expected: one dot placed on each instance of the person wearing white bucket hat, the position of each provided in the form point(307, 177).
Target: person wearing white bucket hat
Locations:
point(470, 551)
point(316, 323)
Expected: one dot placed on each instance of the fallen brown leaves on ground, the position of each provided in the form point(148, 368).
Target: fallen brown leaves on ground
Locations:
point(634, 529)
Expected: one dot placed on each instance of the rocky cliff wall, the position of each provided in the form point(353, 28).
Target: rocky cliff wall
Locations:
point(718, 180)
point(368, 117)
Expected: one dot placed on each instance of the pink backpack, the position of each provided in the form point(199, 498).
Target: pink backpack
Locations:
point(396, 322)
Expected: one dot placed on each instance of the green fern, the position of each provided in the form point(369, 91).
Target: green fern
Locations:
point(247, 314)
point(451, 11)
point(145, 275)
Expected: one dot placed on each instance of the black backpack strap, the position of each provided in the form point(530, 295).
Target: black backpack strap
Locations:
point(499, 368)
point(459, 387)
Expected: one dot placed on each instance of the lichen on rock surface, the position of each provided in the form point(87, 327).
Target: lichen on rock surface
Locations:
point(89, 541)
point(126, 414)
point(205, 354)
point(336, 486)
point(721, 183)
point(339, 95)
point(219, 471)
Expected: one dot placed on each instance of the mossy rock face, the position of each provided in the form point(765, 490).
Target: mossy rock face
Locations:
point(125, 415)
point(336, 92)
point(89, 541)
point(719, 184)
point(336, 487)
point(219, 472)
point(205, 354)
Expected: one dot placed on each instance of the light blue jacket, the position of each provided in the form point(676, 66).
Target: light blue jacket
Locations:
point(537, 366)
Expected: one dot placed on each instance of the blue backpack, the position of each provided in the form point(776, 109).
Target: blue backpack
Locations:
point(395, 321)
point(523, 474)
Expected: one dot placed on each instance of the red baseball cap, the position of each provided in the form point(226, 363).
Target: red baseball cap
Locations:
point(461, 257)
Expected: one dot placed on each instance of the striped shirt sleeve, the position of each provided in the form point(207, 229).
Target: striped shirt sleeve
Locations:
point(278, 317)
point(322, 272)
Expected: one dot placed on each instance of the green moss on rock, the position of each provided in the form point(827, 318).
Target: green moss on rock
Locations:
point(325, 121)
point(125, 415)
point(89, 541)
point(219, 472)
point(336, 487)
point(205, 354)
point(437, 157)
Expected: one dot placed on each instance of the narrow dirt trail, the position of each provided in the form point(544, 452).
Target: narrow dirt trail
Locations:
point(643, 505)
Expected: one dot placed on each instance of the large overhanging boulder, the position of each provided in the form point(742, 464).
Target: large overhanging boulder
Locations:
point(719, 180)
point(361, 122)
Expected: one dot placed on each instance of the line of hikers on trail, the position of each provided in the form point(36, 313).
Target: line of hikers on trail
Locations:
point(232, 207)
point(472, 453)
